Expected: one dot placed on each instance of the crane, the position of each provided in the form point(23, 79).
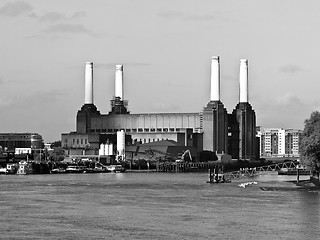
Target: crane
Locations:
point(183, 154)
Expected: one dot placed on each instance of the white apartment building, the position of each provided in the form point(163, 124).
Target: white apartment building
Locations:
point(279, 142)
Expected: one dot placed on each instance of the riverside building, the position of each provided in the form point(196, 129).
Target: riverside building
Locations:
point(211, 129)
point(12, 141)
point(279, 142)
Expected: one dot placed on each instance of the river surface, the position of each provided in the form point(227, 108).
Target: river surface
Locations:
point(153, 206)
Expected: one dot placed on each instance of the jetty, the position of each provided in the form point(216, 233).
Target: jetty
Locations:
point(181, 167)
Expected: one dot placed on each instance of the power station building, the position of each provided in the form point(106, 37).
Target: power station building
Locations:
point(211, 129)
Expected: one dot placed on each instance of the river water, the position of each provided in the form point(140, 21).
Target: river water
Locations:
point(153, 206)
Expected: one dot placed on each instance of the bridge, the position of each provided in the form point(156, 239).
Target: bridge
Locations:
point(251, 172)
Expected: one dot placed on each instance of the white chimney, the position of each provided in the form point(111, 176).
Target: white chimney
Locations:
point(119, 82)
point(243, 80)
point(215, 79)
point(88, 94)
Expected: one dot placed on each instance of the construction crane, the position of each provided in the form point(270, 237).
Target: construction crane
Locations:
point(182, 156)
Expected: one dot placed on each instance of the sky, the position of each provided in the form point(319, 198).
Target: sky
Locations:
point(166, 48)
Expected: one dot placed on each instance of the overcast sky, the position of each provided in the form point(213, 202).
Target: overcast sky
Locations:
point(166, 48)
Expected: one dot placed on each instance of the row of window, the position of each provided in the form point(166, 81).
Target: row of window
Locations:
point(79, 141)
point(148, 140)
point(139, 130)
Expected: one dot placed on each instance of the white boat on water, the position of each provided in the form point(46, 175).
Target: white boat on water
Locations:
point(24, 168)
point(116, 168)
point(58, 170)
point(243, 185)
point(3, 170)
point(75, 169)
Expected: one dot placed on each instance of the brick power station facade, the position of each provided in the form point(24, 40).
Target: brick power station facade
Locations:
point(211, 129)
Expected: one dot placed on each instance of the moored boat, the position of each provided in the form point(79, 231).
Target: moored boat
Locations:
point(12, 168)
point(75, 169)
point(24, 168)
point(3, 170)
point(116, 168)
point(58, 170)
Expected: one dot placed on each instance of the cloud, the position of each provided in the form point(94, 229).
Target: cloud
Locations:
point(67, 28)
point(36, 100)
point(289, 100)
point(125, 64)
point(171, 14)
point(185, 16)
point(290, 69)
point(163, 107)
point(57, 16)
point(80, 14)
point(286, 111)
point(52, 16)
point(201, 17)
point(14, 9)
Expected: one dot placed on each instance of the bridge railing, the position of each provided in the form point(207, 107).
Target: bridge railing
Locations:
point(250, 172)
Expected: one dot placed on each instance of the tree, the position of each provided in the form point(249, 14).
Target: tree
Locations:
point(310, 142)
point(206, 156)
point(55, 144)
point(57, 154)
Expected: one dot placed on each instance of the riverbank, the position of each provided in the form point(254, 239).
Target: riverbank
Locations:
point(308, 185)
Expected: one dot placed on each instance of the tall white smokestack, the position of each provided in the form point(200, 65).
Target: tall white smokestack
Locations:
point(88, 94)
point(119, 82)
point(244, 80)
point(215, 79)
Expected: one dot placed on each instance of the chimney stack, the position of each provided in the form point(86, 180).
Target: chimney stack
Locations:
point(215, 79)
point(119, 82)
point(88, 95)
point(243, 80)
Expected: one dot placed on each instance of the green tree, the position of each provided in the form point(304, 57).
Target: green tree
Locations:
point(57, 154)
point(55, 144)
point(310, 142)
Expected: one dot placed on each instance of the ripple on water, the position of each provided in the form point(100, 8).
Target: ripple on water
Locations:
point(152, 206)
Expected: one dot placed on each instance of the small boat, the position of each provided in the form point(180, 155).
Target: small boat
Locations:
point(116, 168)
point(24, 168)
point(243, 185)
point(3, 170)
point(75, 169)
point(12, 168)
point(216, 176)
point(58, 170)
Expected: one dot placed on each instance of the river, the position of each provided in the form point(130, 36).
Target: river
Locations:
point(153, 206)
